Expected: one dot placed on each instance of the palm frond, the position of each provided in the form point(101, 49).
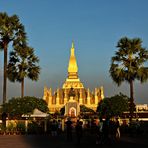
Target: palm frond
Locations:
point(127, 64)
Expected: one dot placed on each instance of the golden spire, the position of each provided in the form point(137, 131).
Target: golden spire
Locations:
point(72, 44)
point(72, 81)
point(72, 67)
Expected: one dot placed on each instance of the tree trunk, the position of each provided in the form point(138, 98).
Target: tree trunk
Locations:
point(5, 73)
point(22, 88)
point(131, 100)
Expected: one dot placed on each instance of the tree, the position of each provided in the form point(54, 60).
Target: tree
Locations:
point(16, 107)
point(11, 30)
point(128, 65)
point(62, 111)
point(86, 112)
point(85, 109)
point(22, 64)
point(113, 106)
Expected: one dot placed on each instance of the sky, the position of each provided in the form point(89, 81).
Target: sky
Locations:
point(95, 26)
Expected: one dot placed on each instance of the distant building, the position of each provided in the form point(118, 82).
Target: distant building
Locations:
point(141, 107)
point(141, 113)
point(73, 93)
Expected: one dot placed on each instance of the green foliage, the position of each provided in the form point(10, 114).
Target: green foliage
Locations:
point(11, 30)
point(16, 107)
point(33, 128)
point(128, 62)
point(84, 109)
point(21, 127)
point(11, 127)
point(22, 64)
point(128, 65)
point(62, 110)
point(113, 106)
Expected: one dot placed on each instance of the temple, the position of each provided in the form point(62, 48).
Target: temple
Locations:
point(73, 93)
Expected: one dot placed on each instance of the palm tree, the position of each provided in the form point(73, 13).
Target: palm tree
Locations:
point(11, 30)
point(22, 64)
point(128, 65)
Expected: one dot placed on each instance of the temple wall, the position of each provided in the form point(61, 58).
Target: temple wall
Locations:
point(60, 97)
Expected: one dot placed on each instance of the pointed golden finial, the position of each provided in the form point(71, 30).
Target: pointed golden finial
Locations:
point(72, 49)
point(72, 44)
point(72, 68)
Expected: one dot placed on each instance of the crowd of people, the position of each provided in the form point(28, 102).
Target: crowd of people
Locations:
point(105, 130)
point(56, 127)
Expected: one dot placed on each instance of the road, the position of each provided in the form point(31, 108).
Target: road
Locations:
point(46, 141)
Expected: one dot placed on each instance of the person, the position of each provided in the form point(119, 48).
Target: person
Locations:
point(59, 127)
point(112, 131)
point(54, 128)
point(105, 130)
point(69, 129)
point(137, 127)
point(117, 130)
point(99, 132)
point(78, 129)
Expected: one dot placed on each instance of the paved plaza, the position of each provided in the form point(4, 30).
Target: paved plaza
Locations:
point(46, 141)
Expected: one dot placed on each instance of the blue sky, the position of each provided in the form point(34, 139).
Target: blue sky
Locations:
point(94, 25)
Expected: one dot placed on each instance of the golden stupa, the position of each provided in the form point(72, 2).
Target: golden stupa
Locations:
point(72, 94)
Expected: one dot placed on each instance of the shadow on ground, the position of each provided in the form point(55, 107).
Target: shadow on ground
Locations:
point(47, 141)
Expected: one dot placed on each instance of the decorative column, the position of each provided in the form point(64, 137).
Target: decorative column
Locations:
point(58, 97)
point(96, 96)
point(102, 92)
point(81, 99)
point(76, 96)
point(50, 98)
point(88, 96)
point(65, 96)
point(45, 94)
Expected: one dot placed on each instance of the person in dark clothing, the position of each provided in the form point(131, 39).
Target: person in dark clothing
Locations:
point(99, 133)
point(117, 130)
point(59, 131)
point(69, 129)
point(54, 127)
point(106, 131)
point(78, 129)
